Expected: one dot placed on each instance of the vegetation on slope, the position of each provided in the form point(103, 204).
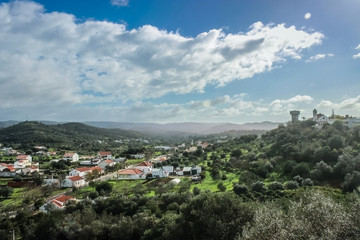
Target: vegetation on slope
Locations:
point(65, 136)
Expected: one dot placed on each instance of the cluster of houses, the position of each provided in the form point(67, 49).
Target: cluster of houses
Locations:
point(145, 170)
point(77, 177)
point(321, 119)
point(23, 165)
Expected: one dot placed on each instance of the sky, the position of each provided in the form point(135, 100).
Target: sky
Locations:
point(167, 61)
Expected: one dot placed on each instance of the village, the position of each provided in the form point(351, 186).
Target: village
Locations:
point(87, 169)
point(72, 170)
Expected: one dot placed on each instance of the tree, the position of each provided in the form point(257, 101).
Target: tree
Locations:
point(196, 191)
point(352, 181)
point(258, 187)
point(275, 186)
point(221, 187)
point(5, 192)
point(291, 185)
point(322, 171)
point(307, 182)
point(240, 189)
point(336, 142)
point(104, 187)
point(236, 153)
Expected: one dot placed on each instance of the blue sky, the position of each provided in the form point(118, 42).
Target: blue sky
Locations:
point(178, 61)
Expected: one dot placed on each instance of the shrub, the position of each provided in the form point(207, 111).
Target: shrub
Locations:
point(275, 186)
point(291, 185)
point(258, 187)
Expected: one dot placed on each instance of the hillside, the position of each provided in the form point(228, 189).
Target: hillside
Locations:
point(67, 136)
point(186, 128)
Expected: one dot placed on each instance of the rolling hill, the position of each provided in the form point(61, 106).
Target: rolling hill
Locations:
point(67, 136)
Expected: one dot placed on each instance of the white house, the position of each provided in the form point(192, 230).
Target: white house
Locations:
point(73, 157)
point(22, 161)
point(106, 163)
point(58, 203)
point(320, 119)
point(159, 173)
point(188, 171)
point(30, 170)
point(7, 170)
point(168, 169)
point(164, 148)
point(75, 181)
point(144, 166)
point(51, 182)
point(130, 173)
point(105, 155)
point(138, 155)
point(195, 170)
point(352, 122)
point(82, 171)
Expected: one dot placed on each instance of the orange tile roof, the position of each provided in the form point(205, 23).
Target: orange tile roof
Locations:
point(130, 171)
point(69, 154)
point(96, 168)
point(60, 201)
point(75, 178)
point(84, 169)
point(144, 164)
point(104, 153)
point(22, 157)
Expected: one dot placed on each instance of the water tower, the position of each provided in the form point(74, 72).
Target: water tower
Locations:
point(294, 116)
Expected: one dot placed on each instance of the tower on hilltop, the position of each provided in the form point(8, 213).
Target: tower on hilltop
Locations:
point(314, 114)
point(294, 116)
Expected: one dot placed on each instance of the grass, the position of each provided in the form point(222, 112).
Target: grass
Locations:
point(18, 196)
point(134, 161)
point(211, 184)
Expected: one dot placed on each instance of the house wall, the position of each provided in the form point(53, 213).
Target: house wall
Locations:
point(134, 176)
point(66, 183)
point(7, 174)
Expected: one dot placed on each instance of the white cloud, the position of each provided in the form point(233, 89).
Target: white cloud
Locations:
point(307, 16)
point(357, 55)
point(319, 56)
point(349, 106)
point(279, 106)
point(53, 58)
point(119, 2)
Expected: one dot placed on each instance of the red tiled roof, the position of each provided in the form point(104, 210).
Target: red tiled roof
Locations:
point(130, 171)
point(104, 153)
point(83, 169)
point(59, 201)
point(21, 157)
point(75, 178)
point(144, 164)
point(63, 198)
point(11, 168)
point(96, 168)
point(108, 161)
point(69, 154)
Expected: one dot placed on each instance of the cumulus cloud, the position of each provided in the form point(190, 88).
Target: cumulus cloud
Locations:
point(357, 55)
point(307, 16)
point(120, 3)
point(50, 56)
point(279, 106)
point(318, 57)
point(347, 106)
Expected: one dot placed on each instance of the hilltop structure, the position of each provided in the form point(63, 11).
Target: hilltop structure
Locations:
point(294, 116)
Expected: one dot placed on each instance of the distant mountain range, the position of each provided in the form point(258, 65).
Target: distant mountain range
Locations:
point(169, 129)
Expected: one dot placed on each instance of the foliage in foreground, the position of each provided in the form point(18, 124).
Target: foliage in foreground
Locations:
point(310, 214)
